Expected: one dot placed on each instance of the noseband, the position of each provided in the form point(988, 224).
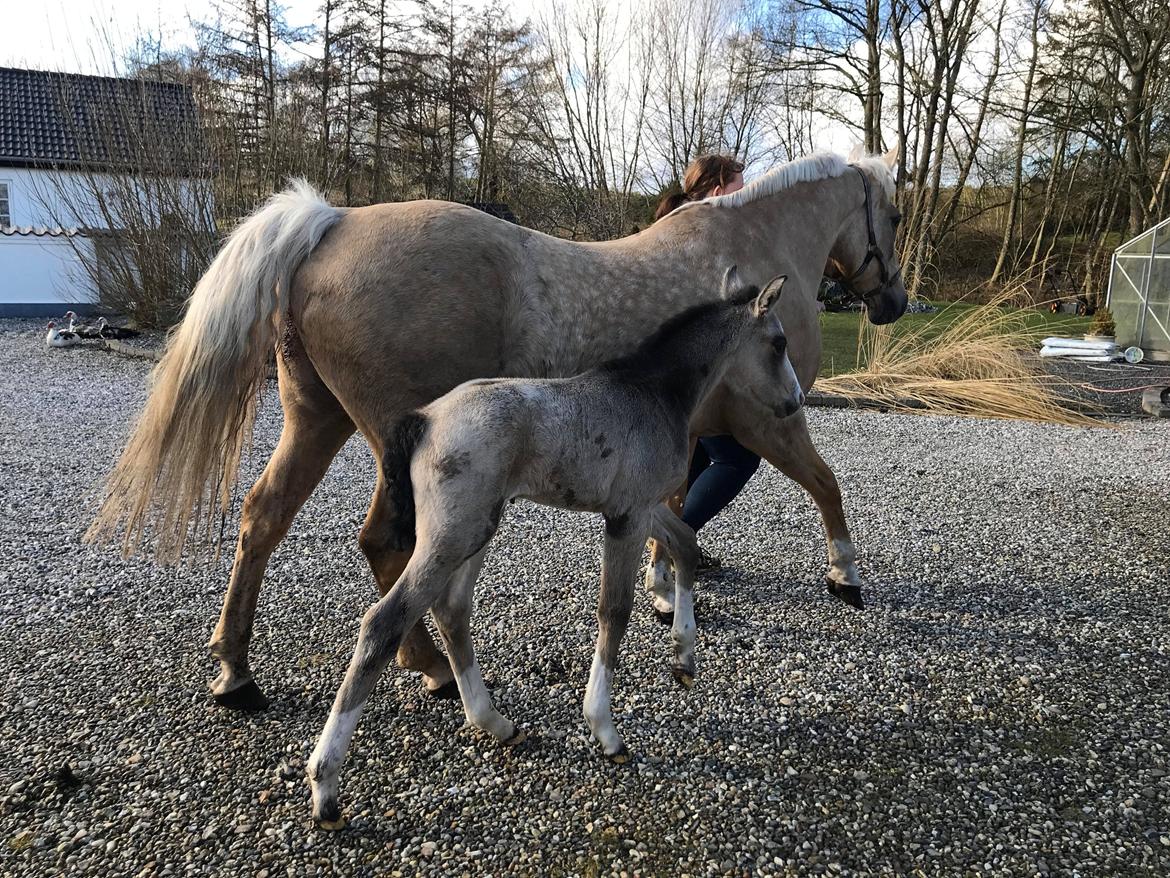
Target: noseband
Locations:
point(872, 252)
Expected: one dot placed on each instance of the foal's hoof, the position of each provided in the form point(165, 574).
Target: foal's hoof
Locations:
point(247, 698)
point(329, 817)
point(684, 676)
point(664, 618)
point(446, 692)
point(517, 739)
point(621, 757)
point(850, 594)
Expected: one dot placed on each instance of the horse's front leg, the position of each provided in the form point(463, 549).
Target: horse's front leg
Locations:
point(624, 537)
point(786, 444)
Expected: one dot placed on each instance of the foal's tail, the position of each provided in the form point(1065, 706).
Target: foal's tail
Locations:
point(404, 441)
point(181, 461)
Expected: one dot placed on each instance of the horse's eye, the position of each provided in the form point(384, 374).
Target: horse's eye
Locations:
point(895, 219)
point(780, 345)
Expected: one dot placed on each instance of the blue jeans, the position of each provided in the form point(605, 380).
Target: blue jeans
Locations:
point(720, 468)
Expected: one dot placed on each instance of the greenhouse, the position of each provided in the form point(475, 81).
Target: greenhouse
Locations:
point(1139, 292)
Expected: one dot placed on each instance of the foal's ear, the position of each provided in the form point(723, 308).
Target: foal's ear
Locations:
point(732, 283)
point(770, 295)
point(856, 154)
point(891, 156)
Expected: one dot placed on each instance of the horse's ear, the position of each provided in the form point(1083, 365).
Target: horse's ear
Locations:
point(732, 283)
point(769, 296)
point(856, 154)
point(891, 156)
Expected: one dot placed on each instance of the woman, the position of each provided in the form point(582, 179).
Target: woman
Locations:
point(720, 466)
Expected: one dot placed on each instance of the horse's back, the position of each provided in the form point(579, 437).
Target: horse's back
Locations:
point(405, 301)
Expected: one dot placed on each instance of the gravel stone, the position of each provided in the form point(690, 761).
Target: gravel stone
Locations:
point(999, 708)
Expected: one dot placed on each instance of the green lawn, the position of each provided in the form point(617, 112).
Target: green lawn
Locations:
point(839, 330)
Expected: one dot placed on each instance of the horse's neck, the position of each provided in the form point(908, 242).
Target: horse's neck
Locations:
point(621, 291)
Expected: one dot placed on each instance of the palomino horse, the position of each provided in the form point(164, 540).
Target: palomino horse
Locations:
point(614, 440)
point(376, 311)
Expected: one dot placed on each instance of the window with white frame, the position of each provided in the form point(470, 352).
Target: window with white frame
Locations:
point(5, 208)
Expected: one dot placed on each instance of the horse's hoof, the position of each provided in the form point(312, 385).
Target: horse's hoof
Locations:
point(329, 818)
point(447, 692)
point(621, 757)
point(664, 618)
point(850, 594)
point(518, 738)
point(684, 676)
point(247, 698)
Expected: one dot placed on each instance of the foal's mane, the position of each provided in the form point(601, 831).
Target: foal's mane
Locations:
point(808, 169)
point(648, 353)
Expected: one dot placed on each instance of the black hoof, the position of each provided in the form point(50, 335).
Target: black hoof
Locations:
point(621, 757)
point(330, 818)
point(446, 692)
point(850, 594)
point(664, 618)
point(247, 698)
point(684, 676)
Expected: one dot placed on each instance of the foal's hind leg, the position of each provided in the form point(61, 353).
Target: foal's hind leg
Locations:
point(624, 538)
point(677, 538)
point(417, 652)
point(315, 428)
point(383, 627)
point(452, 614)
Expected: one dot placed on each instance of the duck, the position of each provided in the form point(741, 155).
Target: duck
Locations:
point(104, 330)
point(82, 330)
point(60, 338)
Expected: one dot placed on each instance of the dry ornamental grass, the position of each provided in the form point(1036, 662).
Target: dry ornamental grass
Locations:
point(976, 366)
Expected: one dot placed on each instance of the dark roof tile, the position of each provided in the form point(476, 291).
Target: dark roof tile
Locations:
point(66, 119)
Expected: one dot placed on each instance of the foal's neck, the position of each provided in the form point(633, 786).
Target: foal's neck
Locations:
point(681, 367)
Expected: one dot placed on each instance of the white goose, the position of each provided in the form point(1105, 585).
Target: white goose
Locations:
point(60, 338)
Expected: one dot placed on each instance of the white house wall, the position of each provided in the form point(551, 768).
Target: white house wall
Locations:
point(38, 274)
point(39, 197)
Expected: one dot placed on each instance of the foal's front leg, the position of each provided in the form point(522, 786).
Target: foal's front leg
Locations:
point(676, 536)
point(624, 537)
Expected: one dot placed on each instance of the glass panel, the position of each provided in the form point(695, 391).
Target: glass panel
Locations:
point(1138, 246)
point(1126, 302)
point(1156, 333)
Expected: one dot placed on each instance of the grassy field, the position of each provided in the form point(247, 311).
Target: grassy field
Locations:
point(840, 330)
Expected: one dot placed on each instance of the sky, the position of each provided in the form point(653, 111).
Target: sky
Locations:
point(60, 34)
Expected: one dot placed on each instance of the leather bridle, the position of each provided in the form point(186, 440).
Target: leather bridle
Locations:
point(872, 252)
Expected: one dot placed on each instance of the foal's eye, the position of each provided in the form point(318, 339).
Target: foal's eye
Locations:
point(780, 345)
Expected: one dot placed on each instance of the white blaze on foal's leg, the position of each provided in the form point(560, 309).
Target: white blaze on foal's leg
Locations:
point(598, 714)
point(325, 764)
point(660, 584)
point(683, 630)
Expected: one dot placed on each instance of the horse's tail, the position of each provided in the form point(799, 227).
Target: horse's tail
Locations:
point(400, 449)
point(182, 459)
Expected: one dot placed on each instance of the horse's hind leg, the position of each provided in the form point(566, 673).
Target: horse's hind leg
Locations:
point(417, 651)
point(677, 539)
point(452, 614)
point(624, 537)
point(315, 428)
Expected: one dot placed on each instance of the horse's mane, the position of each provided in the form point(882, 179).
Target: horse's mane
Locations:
point(818, 166)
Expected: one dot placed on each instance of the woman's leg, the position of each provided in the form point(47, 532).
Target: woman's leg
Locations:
point(718, 484)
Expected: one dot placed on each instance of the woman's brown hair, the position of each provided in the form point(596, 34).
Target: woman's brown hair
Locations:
point(702, 176)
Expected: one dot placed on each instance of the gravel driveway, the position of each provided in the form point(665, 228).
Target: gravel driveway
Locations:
point(1002, 707)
